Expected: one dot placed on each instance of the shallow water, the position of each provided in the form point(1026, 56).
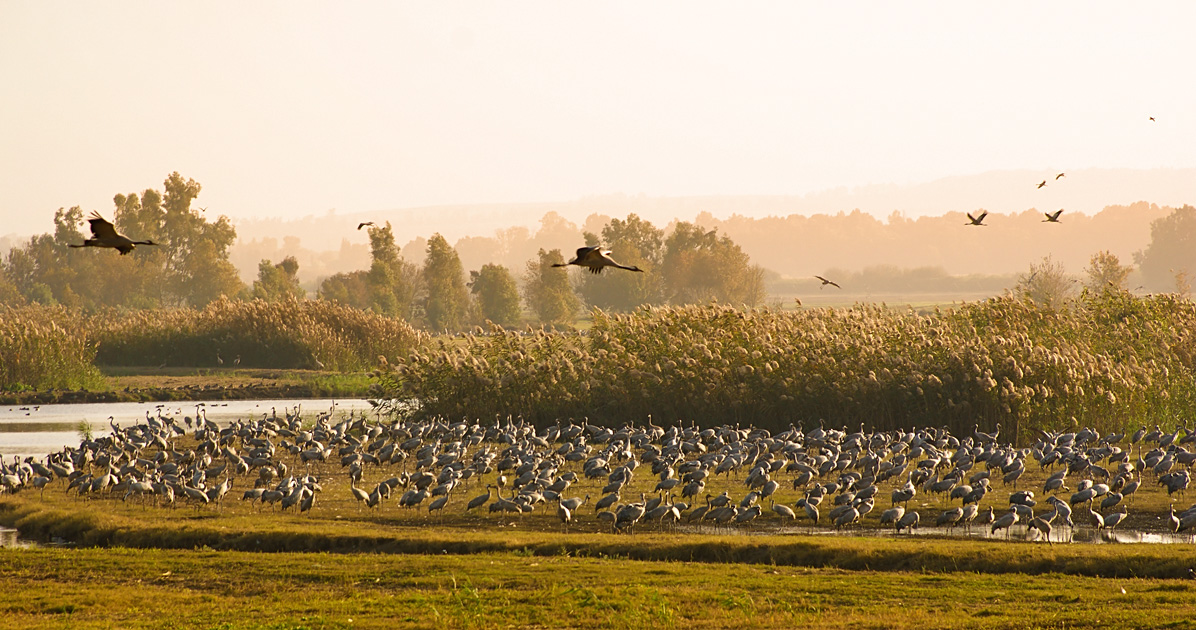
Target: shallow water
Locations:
point(1058, 535)
point(40, 429)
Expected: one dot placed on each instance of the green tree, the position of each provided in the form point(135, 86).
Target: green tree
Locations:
point(1106, 271)
point(392, 281)
point(189, 266)
point(497, 294)
point(646, 238)
point(547, 291)
point(632, 242)
point(197, 266)
point(10, 295)
point(1047, 284)
point(699, 266)
point(350, 289)
point(1172, 250)
point(276, 283)
point(446, 300)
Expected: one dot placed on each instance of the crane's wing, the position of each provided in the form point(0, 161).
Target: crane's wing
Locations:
point(587, 253)
point(100, 227)
point(982, 215)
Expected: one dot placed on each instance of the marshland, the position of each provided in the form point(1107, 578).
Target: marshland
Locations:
point(620, 315)
point(955, 416)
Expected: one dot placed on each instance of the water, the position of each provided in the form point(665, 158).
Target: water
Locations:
point(40, 429)
point(1019, 532)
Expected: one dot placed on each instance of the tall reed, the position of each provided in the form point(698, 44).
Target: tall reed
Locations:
point(43, 347)
point(288, 334)
point(1109, 360)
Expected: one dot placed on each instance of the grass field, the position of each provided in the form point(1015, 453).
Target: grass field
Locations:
point(94, 588)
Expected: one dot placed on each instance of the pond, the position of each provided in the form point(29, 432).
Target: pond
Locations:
point(40, 429)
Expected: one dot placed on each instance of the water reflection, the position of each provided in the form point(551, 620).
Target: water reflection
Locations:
point(40, 429)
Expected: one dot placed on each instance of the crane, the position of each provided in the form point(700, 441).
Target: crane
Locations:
point(103, 234)
point(595, 259)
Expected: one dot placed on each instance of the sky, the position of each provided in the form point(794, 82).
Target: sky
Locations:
point(290, 109)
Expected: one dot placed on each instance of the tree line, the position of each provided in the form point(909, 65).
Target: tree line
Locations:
point(190, 268)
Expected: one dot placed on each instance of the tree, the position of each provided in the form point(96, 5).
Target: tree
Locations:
point(1172, 249)
point(636, 233)
point(392, 282)
point(197, 266)
point(632, 242)
point(276, 283)
point(189, 266)
point(350, 289)
point(1047, 284)
point(446, 300)
point(10, 295)
point(496, 293)
point(547, 291)
point(698, 266)
point(1106, 271)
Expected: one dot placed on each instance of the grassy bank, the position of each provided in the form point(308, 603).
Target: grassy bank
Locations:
point(355, 532)
point(55, 588)
point(140, 384)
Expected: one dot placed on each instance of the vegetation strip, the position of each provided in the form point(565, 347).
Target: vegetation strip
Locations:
point(1108, 361)
point(90, 529)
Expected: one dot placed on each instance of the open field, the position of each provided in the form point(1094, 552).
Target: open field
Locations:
point(127, 588)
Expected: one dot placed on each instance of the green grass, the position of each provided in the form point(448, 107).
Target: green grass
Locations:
point(90, 588)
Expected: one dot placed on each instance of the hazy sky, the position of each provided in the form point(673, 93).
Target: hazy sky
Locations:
point(293, 108)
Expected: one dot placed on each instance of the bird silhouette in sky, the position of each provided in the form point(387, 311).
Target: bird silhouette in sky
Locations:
point(826, 282)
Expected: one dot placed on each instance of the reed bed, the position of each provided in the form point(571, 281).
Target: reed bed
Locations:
point(1107, 361)
point(43, 347)
point(314, 334)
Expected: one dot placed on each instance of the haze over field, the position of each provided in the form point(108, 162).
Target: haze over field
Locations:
point(289, 109)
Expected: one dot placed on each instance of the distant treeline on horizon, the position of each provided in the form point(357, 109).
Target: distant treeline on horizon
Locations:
point(795, 246)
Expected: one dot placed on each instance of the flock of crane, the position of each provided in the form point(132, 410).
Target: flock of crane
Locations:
point(832, 477)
